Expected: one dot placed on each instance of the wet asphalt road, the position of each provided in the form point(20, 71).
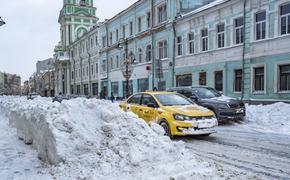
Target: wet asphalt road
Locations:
point(265, 155)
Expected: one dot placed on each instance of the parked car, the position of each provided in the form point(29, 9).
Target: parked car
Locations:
point(174, 112)
point(32, 95)
point(60, 98)
point(225, 108)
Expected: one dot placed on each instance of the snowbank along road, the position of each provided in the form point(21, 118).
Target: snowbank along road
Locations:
point(110, 144)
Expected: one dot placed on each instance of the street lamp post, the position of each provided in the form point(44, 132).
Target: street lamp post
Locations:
point(127, 65)
point(1, 22)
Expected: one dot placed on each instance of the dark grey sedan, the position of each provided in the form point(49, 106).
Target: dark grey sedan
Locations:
point(225, 108)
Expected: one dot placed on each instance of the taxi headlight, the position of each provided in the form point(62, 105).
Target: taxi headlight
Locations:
point(180, 117)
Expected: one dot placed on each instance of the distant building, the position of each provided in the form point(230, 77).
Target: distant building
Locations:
point(10, 84)
point(44, 65)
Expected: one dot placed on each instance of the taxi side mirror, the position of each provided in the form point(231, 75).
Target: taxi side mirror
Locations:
point(151, 105)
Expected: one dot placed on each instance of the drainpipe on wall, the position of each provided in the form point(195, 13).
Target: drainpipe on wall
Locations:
point(107, 39)
point(174, 48)
point(244, 49)
point(89, 85)
point(153, 45)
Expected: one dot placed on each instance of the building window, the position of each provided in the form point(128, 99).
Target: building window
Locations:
point(97, 68)
point(139, 24)
point(117, 35)
point(104, 66)
point(148, 19)
point(115, 88)
point(117, 62)
point(162, 13)
point(239, 30)
point(131, 28)
point(143, 85)
point(111, 63)
point(72, 75)
point(82, 2)
point(162, 49)
point(238, 80)
point(285, 19)
point(78, 89)
point(191, 43)
point(104, 41)
point(221, 35)
point(87, 70)
point(204, 39)
point(96, 40)
point(148, 53)
point(218, 80)
point(130, 88)
point(86, 89)
point(124, 31)
point(179, 46)
point(184, 80)
point(92, 69)
point(95, 89)
point(284, 77)
point(259, 79)
point(202, 78)
point(111, 38)
point(140, 55)
point(260, 19)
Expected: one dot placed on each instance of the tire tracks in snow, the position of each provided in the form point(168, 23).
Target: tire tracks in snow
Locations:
point(265, 155)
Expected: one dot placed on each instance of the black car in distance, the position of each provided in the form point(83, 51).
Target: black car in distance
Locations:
point(225, 108)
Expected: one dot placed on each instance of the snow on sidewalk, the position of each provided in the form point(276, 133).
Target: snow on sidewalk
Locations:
point(274, 118)
point(18, 161)
point(94, 139)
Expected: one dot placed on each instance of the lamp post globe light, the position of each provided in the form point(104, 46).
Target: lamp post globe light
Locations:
point(1, 22)
point(127, 64)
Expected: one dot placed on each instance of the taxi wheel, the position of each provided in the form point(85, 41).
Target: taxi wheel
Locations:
point(166, 128)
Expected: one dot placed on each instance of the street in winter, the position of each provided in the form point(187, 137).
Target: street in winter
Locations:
point(145, 90)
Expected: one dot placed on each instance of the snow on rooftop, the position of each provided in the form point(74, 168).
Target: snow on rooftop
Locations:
point(205, 7)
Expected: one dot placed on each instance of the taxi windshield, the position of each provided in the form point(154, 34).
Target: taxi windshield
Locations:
point(172, 100)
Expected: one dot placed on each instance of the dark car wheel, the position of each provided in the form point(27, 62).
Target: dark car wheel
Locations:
point(166, 128)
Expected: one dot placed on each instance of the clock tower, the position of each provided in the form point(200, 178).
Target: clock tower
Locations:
point(76, 18)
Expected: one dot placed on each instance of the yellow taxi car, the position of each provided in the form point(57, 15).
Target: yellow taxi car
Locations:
point(174, 112)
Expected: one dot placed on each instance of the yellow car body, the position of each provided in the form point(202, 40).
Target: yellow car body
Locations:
point(178, 118)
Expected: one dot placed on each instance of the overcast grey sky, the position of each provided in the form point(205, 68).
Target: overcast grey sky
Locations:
point(32, 31)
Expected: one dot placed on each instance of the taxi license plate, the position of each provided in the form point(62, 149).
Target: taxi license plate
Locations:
point(204, 124)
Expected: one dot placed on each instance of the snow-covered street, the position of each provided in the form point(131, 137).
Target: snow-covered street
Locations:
point(264, 154)
point(93, 139)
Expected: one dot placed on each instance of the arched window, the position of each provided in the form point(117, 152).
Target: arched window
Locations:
point(82, 2)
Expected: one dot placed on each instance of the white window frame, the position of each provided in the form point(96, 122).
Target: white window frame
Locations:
point(253, 67)
point(260, 23)
point(139, 24)
point(280, 20)
point(191, 41)
point(204, 39)
point(163, 18)
point(163, 48)
point(222, 33)
point(149, 20)
point(240, 29)
point(179, 46)
point(148, 55)
point(140, 55)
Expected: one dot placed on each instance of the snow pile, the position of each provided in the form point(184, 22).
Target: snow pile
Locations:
point(271, 118)
point(93, 139)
